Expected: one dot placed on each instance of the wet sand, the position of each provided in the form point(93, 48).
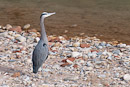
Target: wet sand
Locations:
point(106, 19)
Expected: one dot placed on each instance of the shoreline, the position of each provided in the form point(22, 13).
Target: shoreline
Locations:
point(28, 28)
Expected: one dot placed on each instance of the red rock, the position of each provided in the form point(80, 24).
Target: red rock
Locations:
point(84, 45)
point(32, 30)
point(94, 51)
point(64, 60)
point(16, 51)
point(53, 39)
point(75, 66)
point(54, 50)
point(80, 58)
point(65, 64)
point(71, 59)
point(16, 28)
point(16, 74)
point(116, 56)
point(23, 48)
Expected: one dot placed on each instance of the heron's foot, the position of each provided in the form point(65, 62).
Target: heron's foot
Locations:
point(42, 71)
point(35, 75)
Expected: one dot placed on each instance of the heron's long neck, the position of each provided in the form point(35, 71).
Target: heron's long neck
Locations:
point(43, 32)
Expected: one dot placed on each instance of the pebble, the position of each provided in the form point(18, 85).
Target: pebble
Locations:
point(76, 54)
point(72, 62)
point(16, 74)
point(27, 26)
point(0, 26)
point(32, 30)
point(36, 39)
point(8, 26)
point(1, 31)
point(77, 44)
point(121, 45)
point(21, 39)
point(84, 45)
point(116, 51)
point(16, 28)
point(103, 43)
point(126, 77)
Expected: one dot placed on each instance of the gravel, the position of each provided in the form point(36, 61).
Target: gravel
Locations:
point(73, 62)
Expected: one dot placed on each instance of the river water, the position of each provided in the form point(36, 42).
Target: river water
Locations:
point(105, 19)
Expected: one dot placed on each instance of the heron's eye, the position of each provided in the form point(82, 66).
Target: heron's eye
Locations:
point(44, 44)
point(44, 14)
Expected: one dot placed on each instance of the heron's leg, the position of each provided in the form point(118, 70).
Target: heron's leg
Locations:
point(42, 71)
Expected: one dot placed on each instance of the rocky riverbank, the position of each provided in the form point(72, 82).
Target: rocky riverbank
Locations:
point(73, 62)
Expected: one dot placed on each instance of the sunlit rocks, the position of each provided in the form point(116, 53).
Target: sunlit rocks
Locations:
point(76, 54)
point(16, 28)
point(21, 39)
point(126, 77)
point(27, 26)
point(84, 45)
point(77, 44)
point(72, 62)
point(8, 26)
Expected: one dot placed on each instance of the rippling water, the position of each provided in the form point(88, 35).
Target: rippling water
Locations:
point(106, 19)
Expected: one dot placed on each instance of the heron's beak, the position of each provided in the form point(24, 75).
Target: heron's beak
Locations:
point(49, 14)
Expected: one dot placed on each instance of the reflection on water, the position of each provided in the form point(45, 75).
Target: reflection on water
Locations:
point(109, 18)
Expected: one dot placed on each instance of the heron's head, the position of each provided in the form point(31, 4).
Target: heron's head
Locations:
point(45, 14)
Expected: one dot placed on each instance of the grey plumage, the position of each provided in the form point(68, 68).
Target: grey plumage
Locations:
point(41, 50)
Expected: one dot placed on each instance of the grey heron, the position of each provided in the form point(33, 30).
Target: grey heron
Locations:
point(41, 51)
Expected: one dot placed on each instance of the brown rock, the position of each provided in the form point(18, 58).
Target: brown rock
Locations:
point(32, 30)
point(16, 28)
point(53, 39)
point(84, 45)
point(65, 64)
point(64, 60)
point(75, 66)
point(71, 59)
point(94, 51)
point(16, 51)
point(16, 74)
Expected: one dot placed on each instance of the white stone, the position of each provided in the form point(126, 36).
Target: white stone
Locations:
point(21, 39)
point(29, 61)
point(16, 35)
point(47, 70)
point(56, 67)
point(77, 44)
point(26, 26)
point(4, 34)
point(8, 26)
point(121, 45)
point(10, 32)
point(81, 61)
point(126, 77)
point(76, 54)
point(70, 62)
point(89, 68)
point(36, 39)
point(4, 28)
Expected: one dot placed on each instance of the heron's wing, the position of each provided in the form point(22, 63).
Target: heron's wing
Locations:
point(40, 54)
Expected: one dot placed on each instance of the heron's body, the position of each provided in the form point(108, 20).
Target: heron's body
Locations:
point(40, 54)
point(41, 50)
